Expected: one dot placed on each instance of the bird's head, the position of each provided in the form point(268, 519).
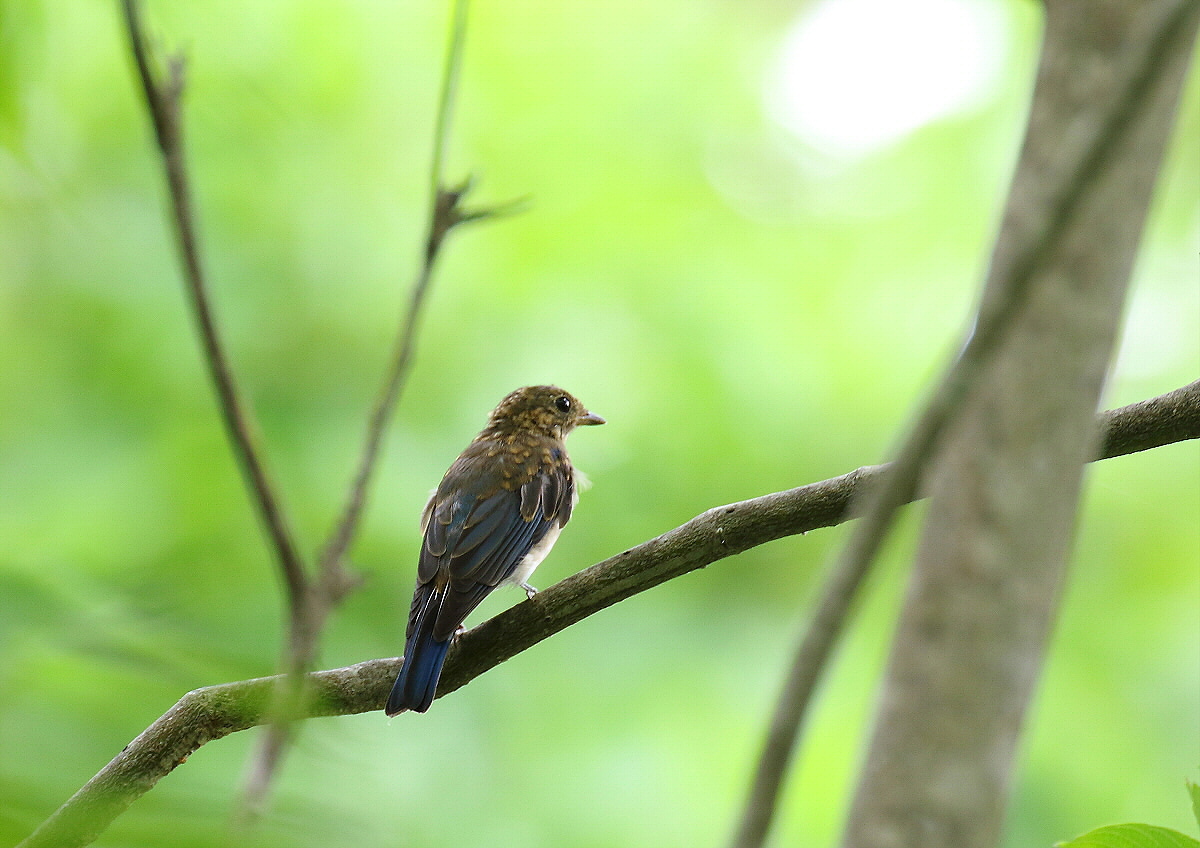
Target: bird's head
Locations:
point(547, 410)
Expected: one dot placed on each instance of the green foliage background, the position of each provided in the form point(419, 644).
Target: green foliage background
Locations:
point(747, 314)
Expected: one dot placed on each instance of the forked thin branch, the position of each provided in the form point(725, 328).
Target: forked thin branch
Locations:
point(445, 212)
point(310, 601)
point(334, 580)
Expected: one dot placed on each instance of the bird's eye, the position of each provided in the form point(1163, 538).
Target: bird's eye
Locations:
point(563, 403)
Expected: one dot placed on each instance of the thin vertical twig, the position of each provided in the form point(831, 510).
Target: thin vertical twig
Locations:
point(445, 107)
point(445, 212)
point(163, 103)
point(879, 504)
point(333, 579)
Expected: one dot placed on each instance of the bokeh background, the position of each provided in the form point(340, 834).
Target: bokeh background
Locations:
point(755, 233)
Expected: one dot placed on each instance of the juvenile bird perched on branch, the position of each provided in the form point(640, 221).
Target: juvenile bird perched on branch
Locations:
point(495, 516)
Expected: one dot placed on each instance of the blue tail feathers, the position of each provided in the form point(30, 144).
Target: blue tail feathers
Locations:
point(417, 682)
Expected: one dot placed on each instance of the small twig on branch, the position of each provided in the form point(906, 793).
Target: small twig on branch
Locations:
point(163, 102)
point(446, 212)
point(216, 711)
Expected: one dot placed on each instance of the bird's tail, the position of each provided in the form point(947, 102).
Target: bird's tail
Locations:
point(416, 684)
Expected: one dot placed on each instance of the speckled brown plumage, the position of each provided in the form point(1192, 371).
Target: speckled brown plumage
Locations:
point(495, 515)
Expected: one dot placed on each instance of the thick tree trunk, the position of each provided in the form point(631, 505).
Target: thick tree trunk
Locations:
point(1005, 485)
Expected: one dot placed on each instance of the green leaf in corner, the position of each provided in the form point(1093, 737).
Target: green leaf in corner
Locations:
point(1132, 836)
point(1194, 791)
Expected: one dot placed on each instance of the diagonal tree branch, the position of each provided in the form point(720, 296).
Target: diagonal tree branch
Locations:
point(213, 712)
point(1163, 420)
point(163, 98)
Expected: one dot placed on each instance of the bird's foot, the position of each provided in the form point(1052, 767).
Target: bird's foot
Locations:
point(529, 590)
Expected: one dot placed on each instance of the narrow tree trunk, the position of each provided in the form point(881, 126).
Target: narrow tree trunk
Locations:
point(1005, 485)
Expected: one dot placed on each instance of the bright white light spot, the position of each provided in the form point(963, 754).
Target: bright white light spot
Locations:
point(855, 76)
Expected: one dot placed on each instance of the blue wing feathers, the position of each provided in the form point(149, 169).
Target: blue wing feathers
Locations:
point(417, 682)
point(423, 658)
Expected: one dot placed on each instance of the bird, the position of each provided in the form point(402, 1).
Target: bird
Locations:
point(494, 517)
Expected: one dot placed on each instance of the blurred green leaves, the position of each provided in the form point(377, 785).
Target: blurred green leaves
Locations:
point(747, 313)
point(1131, 836)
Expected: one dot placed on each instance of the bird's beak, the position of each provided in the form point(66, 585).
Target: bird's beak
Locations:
point(590, 418)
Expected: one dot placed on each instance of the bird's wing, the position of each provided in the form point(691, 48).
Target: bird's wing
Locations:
point(475, 539)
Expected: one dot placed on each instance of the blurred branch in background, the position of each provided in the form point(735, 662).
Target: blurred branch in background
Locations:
point(213, 712)
point(1041, 217)
point(310, 601)
point(445, 213)
point(333, 578)
point(306, 608)
point(163, 98)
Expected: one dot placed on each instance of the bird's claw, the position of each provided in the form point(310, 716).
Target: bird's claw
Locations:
point(529, 590)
